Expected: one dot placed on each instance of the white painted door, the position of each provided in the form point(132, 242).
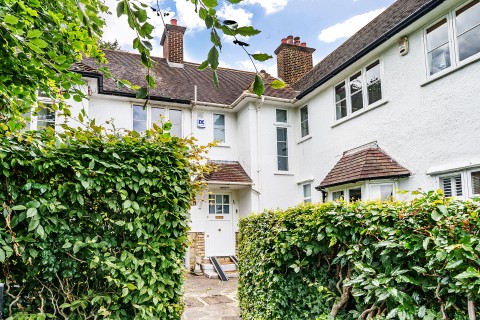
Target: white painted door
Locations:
point(220, 238)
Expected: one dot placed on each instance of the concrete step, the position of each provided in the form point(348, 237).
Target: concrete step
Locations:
point(211, 274)
point(221, 260)
point(225, 267)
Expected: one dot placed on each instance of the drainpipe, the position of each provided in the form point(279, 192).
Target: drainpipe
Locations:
point(259, 170)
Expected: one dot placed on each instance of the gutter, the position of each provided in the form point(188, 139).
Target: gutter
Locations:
point(398, 176)
point(392, 32)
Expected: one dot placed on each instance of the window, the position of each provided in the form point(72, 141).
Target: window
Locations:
point(281, 116)
point(475, 177)
point(304, 121)
point(381, 191)
point(338, 195)
point(452, 186)
point(355, 194)
point(463, 27)
point(364, 89)
point(219, 204)
point(282, 149)
point(219, 127)
point(144, 118)
point(46, 117)
point(307, 193)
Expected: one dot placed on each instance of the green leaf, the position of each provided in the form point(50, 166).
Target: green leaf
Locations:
point(31, 212)
point(261, 57)
point(213, 56)
point(10, 19)
point(34, 33)
point(142, 93)
point(258, 86)
point(2, 255)
point(425, 243)
point(142, 16)
point(204, 65)
point(436, 216)
point(278, 84)
point(18, 208)
point(210, 3)
point(215, 78)
point(40, 231)
point(247, 31)
point(453, 264)
point(120, 8)
point(124, 292)
point(39, 43)
point(150, 80)
point(235, 1)
point(470, 273)
point(443, 209)
point(127, 204)
point(67, 245)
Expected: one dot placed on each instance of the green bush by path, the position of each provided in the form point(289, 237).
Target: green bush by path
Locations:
point(94, 226)
point(391, 260)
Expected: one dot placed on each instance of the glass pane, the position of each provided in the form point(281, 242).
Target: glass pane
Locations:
point(476, 183)
point(211, 209)
point(439, 59)
point(340, 92)
point(337, 195)
point(218, 209)
point(226, 209)
point(175, 116)
point(219, 120)
point(356, 83)
point(282, 163)
point(447, 187)
point(437, 35)
point(307, 190)
point(342, 109)
point(355, 194)
point(374, 92)
point(139, 114)
point(281, 134)
point(282, 149)
point(219, 134)
point(386, 191)
point(226, 199)
point(469, 44)
point(305, 130)
point(458, 186)
point(139, 126)
point(303, 114)
point(282, 116)
point(218, 199)
point(468, 17)
point(357, 101)
point(373, 73)
point(157, 114)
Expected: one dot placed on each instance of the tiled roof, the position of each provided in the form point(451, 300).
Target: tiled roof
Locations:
point(397, 16)
point(363, 164)
point(228, 171)
point(176, 83)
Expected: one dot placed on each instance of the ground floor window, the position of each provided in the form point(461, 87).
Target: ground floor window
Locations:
point(307, 193)
point(461, 184)
point(369, 190)
point(382, 191)
point(219, 204)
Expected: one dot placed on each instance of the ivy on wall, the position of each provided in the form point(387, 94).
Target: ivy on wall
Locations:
point(94, 225)
point(390, 260)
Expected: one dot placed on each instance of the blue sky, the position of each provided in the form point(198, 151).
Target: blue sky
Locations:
point(322, 24)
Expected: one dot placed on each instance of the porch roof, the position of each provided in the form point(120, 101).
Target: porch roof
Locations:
point(228, 172)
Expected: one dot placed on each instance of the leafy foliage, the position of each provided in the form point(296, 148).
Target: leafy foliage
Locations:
point(94, 225)
point(390, 260)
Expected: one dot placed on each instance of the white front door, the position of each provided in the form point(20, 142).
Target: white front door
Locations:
point(220, 238)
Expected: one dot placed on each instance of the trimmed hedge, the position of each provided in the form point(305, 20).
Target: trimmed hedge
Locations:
point(94, 225)
point(390, 260)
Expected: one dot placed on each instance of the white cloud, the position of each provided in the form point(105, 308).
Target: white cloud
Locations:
point(270, 6)
point(187, 17)
point(349, 27)
point(248, 66)
point(240, 15)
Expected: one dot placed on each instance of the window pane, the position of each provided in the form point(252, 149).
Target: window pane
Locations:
point(355, 194)
point(458, 186)
point(157, 114)
point(476, 183)
point(282, 149)
point(337, 195)
point(218, 199)
point(373, 73)
point(307, 190)
point(282, 116)
point(305, 129)
point(282, 134)
point(139, 114)
point(381, 191)
point(226, 209)
point(211, 209)
point(282, 163)
point(175, 116)
point(219, 120)
point(219, 134)
point(439, 59)
point(226, 199)
point(468, 17)
point(469, 44)
point(357, 101)
point(374, 92)
point(304, 114)
point(447, 187)
point(139, 126)
point(437, 35)
point(46, 117)
point(340, 92)
point(356, 83)
point(218, 209)
point(341, 109)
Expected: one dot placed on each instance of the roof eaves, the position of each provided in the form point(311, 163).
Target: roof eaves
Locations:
point(399, 27)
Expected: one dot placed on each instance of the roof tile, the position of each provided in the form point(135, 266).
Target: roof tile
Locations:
point(228, 171)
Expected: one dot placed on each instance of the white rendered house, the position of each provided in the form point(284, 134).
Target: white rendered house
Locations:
point(397, 106)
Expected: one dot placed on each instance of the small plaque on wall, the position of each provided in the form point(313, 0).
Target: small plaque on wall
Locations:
point(201, 123)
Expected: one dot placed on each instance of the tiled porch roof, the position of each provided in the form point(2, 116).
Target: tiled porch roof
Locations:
point(228, 172)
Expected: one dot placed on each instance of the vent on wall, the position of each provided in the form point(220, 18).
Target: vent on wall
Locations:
point(403, 46)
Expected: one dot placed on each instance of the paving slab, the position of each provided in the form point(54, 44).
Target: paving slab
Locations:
point(210, 299)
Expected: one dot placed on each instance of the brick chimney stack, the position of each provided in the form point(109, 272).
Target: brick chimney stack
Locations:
point(172, 42)
point(294, 59)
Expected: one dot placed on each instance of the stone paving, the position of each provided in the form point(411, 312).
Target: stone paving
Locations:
point(210, 299)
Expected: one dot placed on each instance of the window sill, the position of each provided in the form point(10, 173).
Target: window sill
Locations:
point(306, 138)
point(359, 113)
point(221, 145)
point(283, 173)
point(450, 71)
point(281, 124)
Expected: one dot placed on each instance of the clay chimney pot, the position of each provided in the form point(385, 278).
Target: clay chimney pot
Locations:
point(173, 22)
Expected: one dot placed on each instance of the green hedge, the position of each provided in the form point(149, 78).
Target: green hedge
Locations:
point(94, 225)
point(415, 260)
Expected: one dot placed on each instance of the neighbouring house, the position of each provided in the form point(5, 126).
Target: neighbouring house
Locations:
point(397, 106)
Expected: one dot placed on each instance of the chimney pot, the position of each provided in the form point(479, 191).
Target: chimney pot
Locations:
point(173, 22)
point(284, 40)
point(304, 44)
point(290, 37)
point(296, 38)
point(293, 61)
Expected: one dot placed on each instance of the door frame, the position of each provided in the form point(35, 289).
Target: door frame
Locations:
point(208, 219)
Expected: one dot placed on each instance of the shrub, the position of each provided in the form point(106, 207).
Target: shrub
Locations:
point(94, 225)
point(390, 260)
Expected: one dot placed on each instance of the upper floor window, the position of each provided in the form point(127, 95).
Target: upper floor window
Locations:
point(364, 88)
point(304, 121)
point(219, 127)
point(143, 118)
point(463, 27)
point(46, 117)
point(281, 116)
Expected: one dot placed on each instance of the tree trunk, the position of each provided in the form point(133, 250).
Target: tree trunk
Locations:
point(471, 310)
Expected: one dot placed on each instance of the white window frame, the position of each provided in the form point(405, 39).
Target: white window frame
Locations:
point(305, 198)
point(377, 184)
point(281, 125)
point(452, 40)
point(452, 175)
point(304, 121)
point(217, 127)
point(348, 93)
point(470, 183)
point(34, 118)
point(346, 191)
point(365, 187)
point(149, 115)
point(467, 183)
